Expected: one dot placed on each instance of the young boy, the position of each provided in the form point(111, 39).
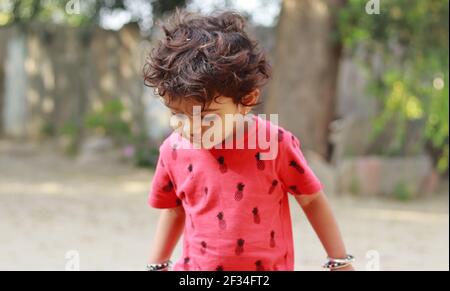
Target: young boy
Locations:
point(227, 194)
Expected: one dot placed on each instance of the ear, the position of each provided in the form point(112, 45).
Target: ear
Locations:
point(251, 98)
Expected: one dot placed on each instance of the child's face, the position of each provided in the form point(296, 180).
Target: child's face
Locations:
point(211, 120)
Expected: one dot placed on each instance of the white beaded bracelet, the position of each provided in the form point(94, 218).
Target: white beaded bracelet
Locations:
point(333, 264)
point(159, 267)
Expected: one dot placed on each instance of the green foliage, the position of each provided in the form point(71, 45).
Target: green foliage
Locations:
point(110, 121)
point(25, 11)
point(410, 77)
point(54, 11)
point(48, 129)
point(144, 154)
point(70, 133)
point(402, 192)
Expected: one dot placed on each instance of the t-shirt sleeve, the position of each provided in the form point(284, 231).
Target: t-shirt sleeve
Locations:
point(294, 172)
point(162, 193)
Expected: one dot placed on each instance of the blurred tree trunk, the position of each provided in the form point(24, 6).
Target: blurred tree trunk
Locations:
point(303, 90)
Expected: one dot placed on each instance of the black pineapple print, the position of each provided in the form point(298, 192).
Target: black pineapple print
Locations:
point(219, 268)
point(294, 144)
point(272, 239)
point(168, 187)
point(256, 217)
point(222, 166)
point(204, 245)
point(222, 222)
point(186, 263)
point(296, 166)
point(273, 186)
point(190, 168)
point(239, 194)
point(239, 247)
point(259, 163)
point(259, 265)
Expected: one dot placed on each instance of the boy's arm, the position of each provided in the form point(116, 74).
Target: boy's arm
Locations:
point(319, 213)
point(168, 231)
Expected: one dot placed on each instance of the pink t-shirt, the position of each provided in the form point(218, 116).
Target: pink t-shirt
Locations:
point(236, 205)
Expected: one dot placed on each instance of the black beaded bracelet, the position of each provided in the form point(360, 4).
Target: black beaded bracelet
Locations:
point(159, 267)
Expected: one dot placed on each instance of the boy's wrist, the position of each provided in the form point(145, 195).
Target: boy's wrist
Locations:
point(334, 264)
point(346, 268)
point(162, 266)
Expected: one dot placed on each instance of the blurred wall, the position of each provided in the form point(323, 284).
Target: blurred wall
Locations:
point(53, 75)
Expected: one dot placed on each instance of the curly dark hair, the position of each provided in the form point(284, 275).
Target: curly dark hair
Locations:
point(204, 57)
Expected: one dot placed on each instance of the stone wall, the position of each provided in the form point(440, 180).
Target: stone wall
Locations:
point(55, 75)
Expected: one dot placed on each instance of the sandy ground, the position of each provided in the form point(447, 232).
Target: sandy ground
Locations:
point(51, 205)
